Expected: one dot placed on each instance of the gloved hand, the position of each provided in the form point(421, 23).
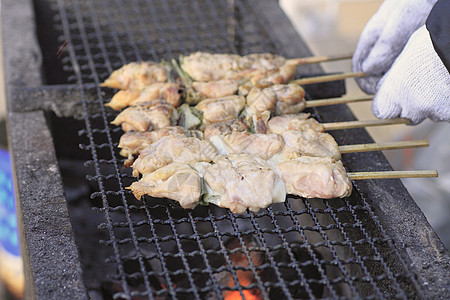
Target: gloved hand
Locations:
point(417, 86)
point(385, 36)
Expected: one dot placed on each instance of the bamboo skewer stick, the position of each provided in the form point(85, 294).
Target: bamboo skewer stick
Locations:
point(383, 146)
point(317, 59)
point(367, 123)
point(392, 174)
point(327, 78)
point(340, 100)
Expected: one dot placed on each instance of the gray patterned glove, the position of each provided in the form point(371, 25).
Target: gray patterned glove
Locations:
point(385, 36)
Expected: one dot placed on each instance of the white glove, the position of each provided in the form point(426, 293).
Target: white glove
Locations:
point(417, 86)
point(385, 36)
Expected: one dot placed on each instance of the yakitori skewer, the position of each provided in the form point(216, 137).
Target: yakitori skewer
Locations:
point(327, 78)
point(339, 100)
point(383, 146)
point(366, 123)
point(317, 59)
point(392, 174)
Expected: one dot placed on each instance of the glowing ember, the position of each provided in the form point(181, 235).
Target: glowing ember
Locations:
point(245, 278)
point(248, 295)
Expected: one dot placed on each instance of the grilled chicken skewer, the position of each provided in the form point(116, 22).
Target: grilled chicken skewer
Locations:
point(206, 75)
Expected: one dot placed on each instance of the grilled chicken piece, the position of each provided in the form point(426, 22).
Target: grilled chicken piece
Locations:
point(224, 128)
point(166, 91)
point(290, 98)
point(260, 100)
point(264, 145)
point(221, 109)
point(176, 181)
point(170, 149)
point(279, 99)
point(245, 88)
point(202, 66)
point(153, 115)
point(261, 61)
point(132, 142)
point(260, 122)
point(281, 75)
point(241, 181)
point(214, 89)
point(300, 121)
point(137, 76)
point(309, 143)
point(315, 177)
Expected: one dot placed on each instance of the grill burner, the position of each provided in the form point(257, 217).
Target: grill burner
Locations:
point(304, 248)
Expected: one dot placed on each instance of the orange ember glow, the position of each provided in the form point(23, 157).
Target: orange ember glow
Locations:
point(248, 295)
point(245, 278)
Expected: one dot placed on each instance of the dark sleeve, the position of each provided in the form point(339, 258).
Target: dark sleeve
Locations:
point(438, 24)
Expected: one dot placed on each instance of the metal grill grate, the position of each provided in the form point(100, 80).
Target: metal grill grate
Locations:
point(304, 248)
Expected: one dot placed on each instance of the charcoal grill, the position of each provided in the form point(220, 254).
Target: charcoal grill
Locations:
point(84, 235)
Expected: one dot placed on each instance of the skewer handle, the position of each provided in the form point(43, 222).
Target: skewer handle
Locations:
point(317, 59)
point(340, 100)
point(327, 78)
point(392, 174)
point(383, 146)
point(367, 123)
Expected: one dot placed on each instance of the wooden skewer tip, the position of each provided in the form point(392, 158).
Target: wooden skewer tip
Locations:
point(318, 59)
point(334, 101)
point(365, 123)
point(392, 174)
point(327, 78)
point(383, 146)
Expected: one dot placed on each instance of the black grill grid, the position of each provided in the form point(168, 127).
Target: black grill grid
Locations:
point(304, 248)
